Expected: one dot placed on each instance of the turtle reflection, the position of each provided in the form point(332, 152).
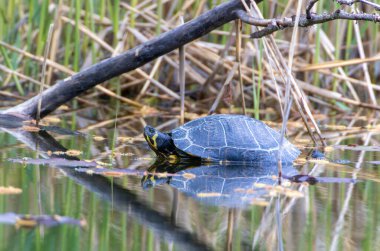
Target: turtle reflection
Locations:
point(229, 185)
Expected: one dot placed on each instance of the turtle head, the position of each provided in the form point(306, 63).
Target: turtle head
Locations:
point(161, 143)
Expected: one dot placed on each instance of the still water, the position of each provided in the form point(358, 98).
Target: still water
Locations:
point(125, 202)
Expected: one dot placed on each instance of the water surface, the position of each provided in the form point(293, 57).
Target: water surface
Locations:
point(180, 211)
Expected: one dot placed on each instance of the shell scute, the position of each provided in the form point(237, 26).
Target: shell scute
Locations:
point(232, 138)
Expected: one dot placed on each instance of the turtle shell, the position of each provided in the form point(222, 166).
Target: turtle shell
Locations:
point(232, 138)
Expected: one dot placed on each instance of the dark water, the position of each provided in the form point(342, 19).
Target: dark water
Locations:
point(202, 208)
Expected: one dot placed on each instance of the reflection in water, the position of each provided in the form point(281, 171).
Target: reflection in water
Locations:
point(230, 185)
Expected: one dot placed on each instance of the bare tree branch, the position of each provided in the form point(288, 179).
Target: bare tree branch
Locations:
point(351, 2)
point(309, 7)
point(275, 24)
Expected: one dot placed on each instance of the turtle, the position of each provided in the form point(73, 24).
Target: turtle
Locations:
point(222, 137)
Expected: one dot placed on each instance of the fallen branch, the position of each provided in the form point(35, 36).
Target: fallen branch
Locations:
point(69, 88)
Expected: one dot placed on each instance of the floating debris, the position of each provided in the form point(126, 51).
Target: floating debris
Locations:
point(98, 138)
point(130, 140)
point(203, 195)
point(10, 190)
point(31, 221)
point(110, 171)
point(62, 131)
point(358, 148)
point(30, 128)
point(53, 120)
point(258, 202)
point(319, 161)
point(56, 162)
point(73, 152)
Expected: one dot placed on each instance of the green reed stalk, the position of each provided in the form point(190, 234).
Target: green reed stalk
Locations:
point(9, 64)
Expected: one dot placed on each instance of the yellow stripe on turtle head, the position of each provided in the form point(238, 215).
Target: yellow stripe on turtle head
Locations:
point(154, 140)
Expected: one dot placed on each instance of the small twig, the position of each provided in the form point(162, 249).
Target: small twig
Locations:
point(181, 52)
point(221, 92)
point(272, 25)
point(43, 74)
point(238, 26)
point(309, 7)
point(351, 2)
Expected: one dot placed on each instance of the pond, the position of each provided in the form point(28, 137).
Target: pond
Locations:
point(116, 198)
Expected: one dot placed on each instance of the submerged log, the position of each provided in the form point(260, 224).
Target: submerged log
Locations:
point(71, 87)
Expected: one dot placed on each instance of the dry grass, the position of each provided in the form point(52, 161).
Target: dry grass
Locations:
point(333, 67)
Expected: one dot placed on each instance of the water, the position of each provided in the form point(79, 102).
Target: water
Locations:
point(120, 214)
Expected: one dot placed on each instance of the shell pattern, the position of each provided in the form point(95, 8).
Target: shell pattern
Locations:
point(232, 138)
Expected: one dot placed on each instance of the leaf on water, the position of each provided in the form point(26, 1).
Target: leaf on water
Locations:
point(25, 223)
point(55, 161)
point(189, 176)
point(116, 172)
point(328, 149)
point(276, 190)
point(300, 161)
point(336, 127)
point(286, 183)
point(31, 221)
point(250, 191)
point(127, 154)
point(59, 153)
point(98, 138)
point(302, 140)
point(125, 139)
point(63, 108)
point(30, 122)
point(260, 185)
point(272, 193)
point(100, 163)
point(205, 195)
point(358, 148)
point(73, 152)
point(90, 171)
point(10, 190)
point(319, 161)
point(293, 193)
point(143, 158)
point(113, 174)
point(52, 120)
point(340, 165)
point(258, 202)
point(239, 190)
point(30, 128)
